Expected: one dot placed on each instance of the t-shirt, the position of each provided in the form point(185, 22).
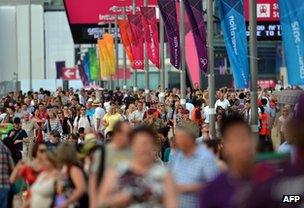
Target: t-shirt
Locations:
point(29, 127)
point(99, 114)
point(137, 115)
point(83, 121)
point(224, 104)
point(18, 135)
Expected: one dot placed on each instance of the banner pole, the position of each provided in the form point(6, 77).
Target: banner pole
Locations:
point(110, 81)
point(211, 78)
point(116, 51)
point(183, 58)
point(134, 70)
point(253, 65)
point(30, 46)
point(146, 65)
point(161, 56)
point(124, 58)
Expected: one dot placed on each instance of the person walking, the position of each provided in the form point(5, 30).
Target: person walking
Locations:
point(193, 166)
point(6, 167)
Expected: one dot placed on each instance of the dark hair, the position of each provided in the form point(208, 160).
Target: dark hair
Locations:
point(55, 133)
point(262, 109)
point(264, 101)
point(17, 120)
point(144, 130)
point(242, 96)
point(198, 103)
point(232, 120)
point(213, 144)
point(74, 136)
point(81, 130)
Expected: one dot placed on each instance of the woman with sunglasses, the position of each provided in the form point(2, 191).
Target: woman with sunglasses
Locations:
point(29, 170)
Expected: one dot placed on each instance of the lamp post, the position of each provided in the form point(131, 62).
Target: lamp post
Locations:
point(30, 46)
point(161, 58)
point(211, 78)
point(182, 47)
point(146, 65)
point(253, 65)
point(134, 71)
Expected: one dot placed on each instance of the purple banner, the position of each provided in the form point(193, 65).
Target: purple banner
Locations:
point(194, 9)
point(168, 11)
point(59, 66)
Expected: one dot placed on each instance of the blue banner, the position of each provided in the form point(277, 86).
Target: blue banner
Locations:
point(86, 66)
point(234, 29)
point(292, 24)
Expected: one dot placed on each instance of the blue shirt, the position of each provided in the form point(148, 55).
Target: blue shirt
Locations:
point(200, 168)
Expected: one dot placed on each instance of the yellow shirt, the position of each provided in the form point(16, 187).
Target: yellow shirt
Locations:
point(111, 120)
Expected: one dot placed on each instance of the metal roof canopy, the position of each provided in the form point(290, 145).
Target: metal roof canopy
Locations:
point(20, 2)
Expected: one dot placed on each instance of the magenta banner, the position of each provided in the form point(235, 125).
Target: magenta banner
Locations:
point(137, 41)
point(151, 33)
point(168, 11)
point(91, 11)
point(194, 11)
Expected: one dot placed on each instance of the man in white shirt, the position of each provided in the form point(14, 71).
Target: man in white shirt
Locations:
point(189, 107)
point(98, 116)
point(82, 120)
point(222, 101)
point(138, 115)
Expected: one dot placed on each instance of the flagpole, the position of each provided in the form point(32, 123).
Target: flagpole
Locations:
point(183, 60)
point(124, 58)
point(211, 78)
point(30, 46)
point(134, 70)
point(161, 58)
point(116, 51)
point(110, 82)
point(146, 63)
point(253, 65)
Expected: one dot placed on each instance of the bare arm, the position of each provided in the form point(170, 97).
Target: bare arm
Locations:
point(79, 183)
point(189, 188)
point(105, 195)
point(170, 195)
point(15, 174)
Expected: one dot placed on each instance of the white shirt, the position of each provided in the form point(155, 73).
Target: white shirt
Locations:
point(99, 114)
point(190, 107)
point(107, 106)
point(83, 122)
point(137, 115)
point(206, 114)
point(224, 104)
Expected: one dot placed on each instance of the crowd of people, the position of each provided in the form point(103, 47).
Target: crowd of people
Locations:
point(124, 148)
